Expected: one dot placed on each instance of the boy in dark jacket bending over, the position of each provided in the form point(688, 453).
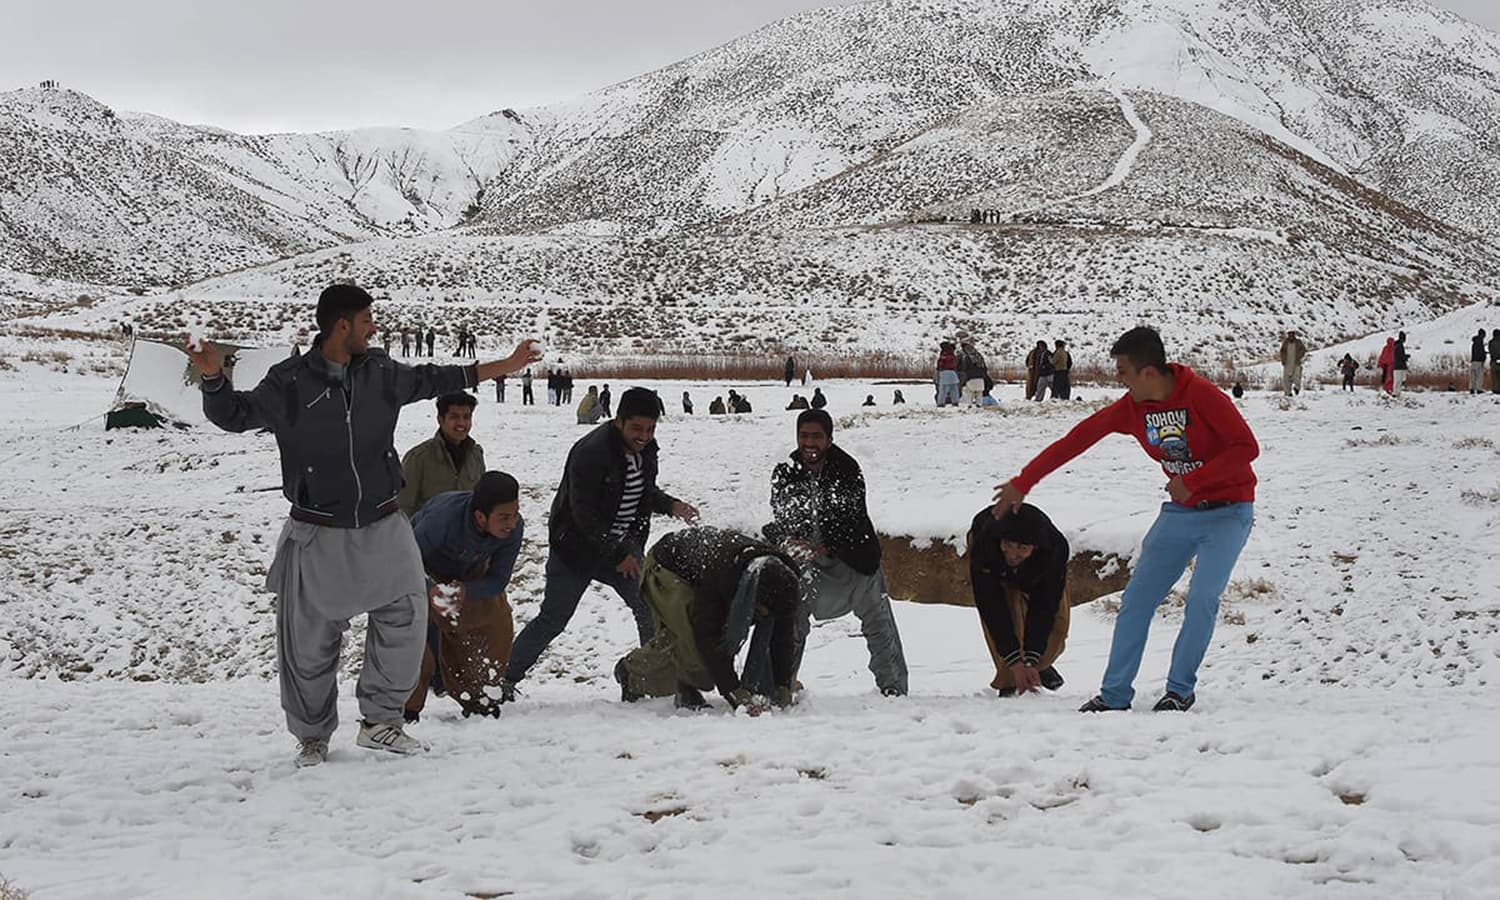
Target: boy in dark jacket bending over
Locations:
point(469, 542)
point(706, 587)
point(1018, 566)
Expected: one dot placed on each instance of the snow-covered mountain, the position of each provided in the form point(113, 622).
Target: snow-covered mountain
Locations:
point(1396, 93)
point(1224, 254)
point(118, 198)
point(1226, 168)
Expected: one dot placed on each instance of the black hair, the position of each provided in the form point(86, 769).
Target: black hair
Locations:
point(778, 587)
point(340, 301)
point(638, 402)
point(1142, 346)
point(1024, 526)
point(493, 489)
point(817, 417)
point(457, 398)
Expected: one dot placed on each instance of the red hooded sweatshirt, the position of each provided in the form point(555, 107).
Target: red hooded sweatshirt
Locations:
point(1196, 433)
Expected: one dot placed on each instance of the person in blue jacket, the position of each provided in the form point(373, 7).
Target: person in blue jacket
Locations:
point(469, 542)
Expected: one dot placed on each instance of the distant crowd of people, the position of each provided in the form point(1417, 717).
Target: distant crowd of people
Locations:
point(1392, 364)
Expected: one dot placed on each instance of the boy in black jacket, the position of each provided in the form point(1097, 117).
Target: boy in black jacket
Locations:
point(819, 516)
point(601, 518)
point(1018, 566)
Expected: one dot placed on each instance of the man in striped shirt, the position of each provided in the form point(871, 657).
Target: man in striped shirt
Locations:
point(600, 522)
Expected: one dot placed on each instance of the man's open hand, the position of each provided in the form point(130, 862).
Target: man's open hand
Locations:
point(1008, 499)
point(207, 358)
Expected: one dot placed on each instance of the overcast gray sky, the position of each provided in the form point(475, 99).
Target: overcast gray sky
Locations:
point(313, 65)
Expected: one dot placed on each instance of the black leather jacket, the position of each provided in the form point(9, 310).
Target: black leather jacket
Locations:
point(335, 426)
point(583, 512)
point(831, 504)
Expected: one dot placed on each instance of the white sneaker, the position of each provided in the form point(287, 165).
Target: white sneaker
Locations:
point(311, 752)
point(389, 738)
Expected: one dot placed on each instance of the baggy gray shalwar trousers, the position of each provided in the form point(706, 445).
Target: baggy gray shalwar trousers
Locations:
point(831, 588)
point(323, 577)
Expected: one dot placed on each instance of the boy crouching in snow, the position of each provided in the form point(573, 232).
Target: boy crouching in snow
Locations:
point(1018, 566)
point(469, 542)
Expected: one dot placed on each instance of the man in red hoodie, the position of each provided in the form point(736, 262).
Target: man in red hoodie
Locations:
point(1205, 449)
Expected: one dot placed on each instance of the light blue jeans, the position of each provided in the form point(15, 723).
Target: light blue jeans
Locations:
point(947, 388)
point(1215, 538)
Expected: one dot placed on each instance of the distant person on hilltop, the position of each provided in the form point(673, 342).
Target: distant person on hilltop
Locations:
point(819, 518)
point(716, 407)
point(1018, 567)
point(589, 410)
point(1043, 372)
point(528, 397)
point(790, 371)
point(1495, 360)
point(1293, 352)
point(1034, 368)
point(604, 402)
point(896, 398)
point(945, 374)
point(1387, 355)
point(1062, 369)
point(1196, 433)
point(798, 402)
point(869, 400)
point(500, 389)
point(972, 370)
point(1348, 367)
point(818, 401)
point(687, 403)
point(405, 343)
point(1476, 364)
point(1399, 361)
point(344, 549)
point(431, 341)
point(738, 403)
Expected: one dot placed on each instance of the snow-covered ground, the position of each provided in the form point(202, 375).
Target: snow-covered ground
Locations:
point(1343, 744)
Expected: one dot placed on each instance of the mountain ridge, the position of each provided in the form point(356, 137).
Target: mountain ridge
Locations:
point(1299, 123)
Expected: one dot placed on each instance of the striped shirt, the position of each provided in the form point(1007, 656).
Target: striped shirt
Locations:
point(630, 498)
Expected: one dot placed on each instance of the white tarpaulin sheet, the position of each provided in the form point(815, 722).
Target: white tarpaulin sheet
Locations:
point(162, 377)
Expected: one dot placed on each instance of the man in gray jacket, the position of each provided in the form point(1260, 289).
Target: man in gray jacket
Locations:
point(342, 551)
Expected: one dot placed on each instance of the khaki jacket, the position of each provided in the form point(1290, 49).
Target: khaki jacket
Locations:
point(429, 471)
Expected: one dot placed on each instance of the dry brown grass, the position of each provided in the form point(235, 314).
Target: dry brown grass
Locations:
point(9, 891)
point(872, 364)
point(72, 334)
point(51, 358)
